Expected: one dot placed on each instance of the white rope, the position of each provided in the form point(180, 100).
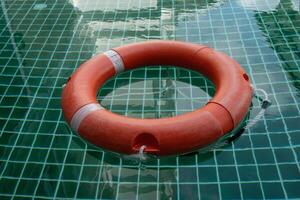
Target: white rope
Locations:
point(142, 153)
point(264, 105)
point(253, 121)
point(262, 91)
point(140, 156)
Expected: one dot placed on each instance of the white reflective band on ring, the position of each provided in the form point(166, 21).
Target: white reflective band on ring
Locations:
point(82, 113)
point(116, 59)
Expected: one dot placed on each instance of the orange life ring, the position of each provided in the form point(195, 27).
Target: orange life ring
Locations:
point(165, 136)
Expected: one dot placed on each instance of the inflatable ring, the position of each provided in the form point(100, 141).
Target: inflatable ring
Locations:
point(165, 136)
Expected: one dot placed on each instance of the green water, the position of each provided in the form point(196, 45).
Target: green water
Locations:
point(43, 42)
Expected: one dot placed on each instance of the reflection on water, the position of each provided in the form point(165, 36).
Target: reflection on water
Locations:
point(108, 24)
point(107, 5)
point(266, 5)
point(260, 5)
point(282, 32)
point(39, 154)
point(156, 92)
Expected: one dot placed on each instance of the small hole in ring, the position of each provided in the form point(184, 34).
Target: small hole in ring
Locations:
point(246, 77)
point(148, 140)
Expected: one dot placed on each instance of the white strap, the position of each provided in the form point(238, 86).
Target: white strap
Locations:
point(116, 60)
point(82, 113)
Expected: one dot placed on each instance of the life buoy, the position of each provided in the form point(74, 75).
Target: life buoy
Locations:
point(164, 136)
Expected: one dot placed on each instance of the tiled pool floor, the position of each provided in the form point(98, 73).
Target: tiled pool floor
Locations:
point(43, 42)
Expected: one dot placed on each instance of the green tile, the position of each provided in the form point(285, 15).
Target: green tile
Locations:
point(251, 191)
point(230, 191)
point(273, 190)
point(264, 156)
point(268, 172)
point(26, 187)
point(207, 174)
point(225, 158)
point(46, 188)
point(13, 169)
point(8, 138)
point(32, 170)
point(51, 171)
point(147, 191)
point(19, 154)
point(38, 155)
point(289, 171)
point(285, 155)
point(67, 189)
point(90, 173)
point(107, 191)
point(227, 174)
point(188, 191)
point(292, 189)
point(87, 191)
point(244, 157)
point(209, 191)
point(248, 173)
point(7, 185)
point(187, 174)
point(71, 172)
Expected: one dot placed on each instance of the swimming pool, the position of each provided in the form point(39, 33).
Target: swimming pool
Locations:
point(43, 42)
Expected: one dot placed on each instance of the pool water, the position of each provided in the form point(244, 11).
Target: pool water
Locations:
point(43, 42)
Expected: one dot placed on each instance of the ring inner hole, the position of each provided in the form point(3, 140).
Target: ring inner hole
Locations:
point(156, 92)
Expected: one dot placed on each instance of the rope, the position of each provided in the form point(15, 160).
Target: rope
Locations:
point(264, 105)
point(140, 156)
